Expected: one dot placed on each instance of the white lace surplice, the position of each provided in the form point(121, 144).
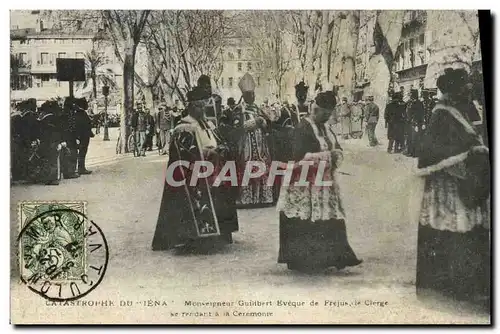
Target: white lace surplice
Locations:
point(315, 203)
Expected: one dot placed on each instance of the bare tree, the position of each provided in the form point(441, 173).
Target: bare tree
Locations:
point(126, 30)
point(185, 44)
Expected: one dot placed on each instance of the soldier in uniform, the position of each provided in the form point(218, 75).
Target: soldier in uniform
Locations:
point(344, 112)
point(371, 115)
point(357, 118)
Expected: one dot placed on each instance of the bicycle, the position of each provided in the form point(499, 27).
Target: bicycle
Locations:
point(131, 144)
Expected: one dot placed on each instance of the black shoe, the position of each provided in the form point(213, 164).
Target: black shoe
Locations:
point(52, 183)
point(84, 172)
point(72, 176)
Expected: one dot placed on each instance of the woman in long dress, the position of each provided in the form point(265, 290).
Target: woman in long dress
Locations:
point(201, 216)
point(313, 233)
point(453, 233)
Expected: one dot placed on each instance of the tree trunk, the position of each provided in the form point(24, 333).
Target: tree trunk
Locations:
point(128, 95)
point(455, 34)
point(94, 85)
point(386, 37)
point(325, 41)
point(348, 72)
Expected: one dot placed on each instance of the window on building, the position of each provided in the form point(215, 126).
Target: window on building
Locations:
point(23, 57)
point(222, 81)
point(15, 27)
point(45, 77)
point(61, 55)
point(249, 66)
point(230, 55)
point(240, 67)
point(239, 53)
point(44, 58)
point(258, 81)
point(230, 81)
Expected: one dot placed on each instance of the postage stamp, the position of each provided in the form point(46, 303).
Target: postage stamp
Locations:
point(62, 254)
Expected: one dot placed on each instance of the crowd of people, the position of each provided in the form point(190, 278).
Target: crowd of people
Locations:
point(50, 142)
point(454, 218)
point(453, 237)
point(204, 216)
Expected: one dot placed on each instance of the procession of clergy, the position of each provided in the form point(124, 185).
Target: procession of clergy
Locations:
point(454, 215)
point(202, 218)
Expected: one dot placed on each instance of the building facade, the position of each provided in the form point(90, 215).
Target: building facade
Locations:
point(36, 44)
point(413, 55)
point(239, 58)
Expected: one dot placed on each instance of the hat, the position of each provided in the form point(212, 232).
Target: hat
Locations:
point(247, 84)
point(344, 99)
point(453, 80)
point(326, 100)
point(396, 95)
point(203, 80)
point(230, 101)
point(370, 97)
point(196, 94)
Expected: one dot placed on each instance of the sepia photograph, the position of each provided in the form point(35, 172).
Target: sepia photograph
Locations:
point(250, 167)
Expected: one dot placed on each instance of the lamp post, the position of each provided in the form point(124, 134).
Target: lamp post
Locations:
point(105, 92)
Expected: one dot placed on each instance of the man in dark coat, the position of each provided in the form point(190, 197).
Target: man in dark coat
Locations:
point(70, 136)
point(150, 130)
point(301, 95)
point(415, 115)
point(395, 123)
point(51, 143)
point(163, 123)
point(83, 132)
point(140, 126)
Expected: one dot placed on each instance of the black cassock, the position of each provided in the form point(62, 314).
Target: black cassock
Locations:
point(197, 216)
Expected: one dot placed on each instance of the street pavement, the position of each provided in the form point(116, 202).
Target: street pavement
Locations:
point(124, 195)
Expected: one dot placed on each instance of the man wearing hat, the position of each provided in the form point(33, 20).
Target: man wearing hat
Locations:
point(301, 94)
point(344, 112)
point(395, 123)
point(415, 115)
point(203, 216)
point(163, 127)
point(139, 125)
point(371, 115)
point(253, 145)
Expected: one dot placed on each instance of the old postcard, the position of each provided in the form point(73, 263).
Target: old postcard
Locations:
point(249, 167)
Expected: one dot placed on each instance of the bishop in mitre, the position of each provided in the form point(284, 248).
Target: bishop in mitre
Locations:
point(252, 145)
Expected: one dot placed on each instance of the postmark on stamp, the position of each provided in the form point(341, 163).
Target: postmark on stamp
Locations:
point(63, 255)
